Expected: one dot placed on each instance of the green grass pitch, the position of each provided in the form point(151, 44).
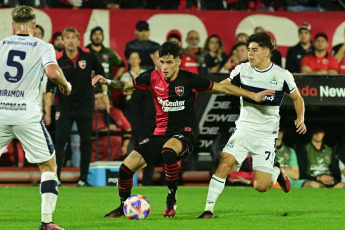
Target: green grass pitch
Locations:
point(237, 208)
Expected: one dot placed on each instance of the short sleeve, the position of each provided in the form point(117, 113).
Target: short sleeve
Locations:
point(234, 77)
point(48, 56)
point(143, 81)
point(293, 158)
point(198, 83)
point(289, 83)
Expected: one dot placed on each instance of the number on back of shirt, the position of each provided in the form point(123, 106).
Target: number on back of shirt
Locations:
point(11, 61)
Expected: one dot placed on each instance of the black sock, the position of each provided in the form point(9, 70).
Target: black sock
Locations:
point(171, 170)
point(125, 183)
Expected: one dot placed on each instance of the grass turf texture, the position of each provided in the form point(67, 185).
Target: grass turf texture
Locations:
point(237, 208)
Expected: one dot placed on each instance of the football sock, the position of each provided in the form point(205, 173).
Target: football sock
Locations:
point(215, 188)
point(49, 194)
point(125, 183)
point(171, 170)
point(276, 172)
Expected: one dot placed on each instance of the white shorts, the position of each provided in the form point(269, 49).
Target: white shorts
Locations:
point(263, 149)
point(34, 137)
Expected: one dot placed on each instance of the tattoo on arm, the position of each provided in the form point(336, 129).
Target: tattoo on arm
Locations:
point(119, 85)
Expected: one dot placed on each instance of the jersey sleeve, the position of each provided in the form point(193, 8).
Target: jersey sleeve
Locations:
point(234, 77)
point(293, 158)
point(143, 81)
point(289, 83)
point(305, 61)
point(48, 56)
point(199, 84)
point(115, 59)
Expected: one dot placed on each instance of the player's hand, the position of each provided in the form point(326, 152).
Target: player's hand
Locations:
point(66, 89)
point(124, 150)
point(327, 180)
point(98, 78)
point(261, 96)
point(47, 119)
point(300, 126)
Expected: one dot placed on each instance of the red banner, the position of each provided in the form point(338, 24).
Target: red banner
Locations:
point(119, 25)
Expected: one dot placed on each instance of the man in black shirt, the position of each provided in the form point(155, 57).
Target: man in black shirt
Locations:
point(77, 64)
point(173, 90)
point(304, 47)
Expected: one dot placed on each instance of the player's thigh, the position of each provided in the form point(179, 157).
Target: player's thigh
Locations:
point(36, 141)
point(182, 143)
point(6, 135)
point(151, 148)
point(263, 151)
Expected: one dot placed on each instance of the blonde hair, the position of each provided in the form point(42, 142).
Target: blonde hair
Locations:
point(23, 14)
point(68, 30)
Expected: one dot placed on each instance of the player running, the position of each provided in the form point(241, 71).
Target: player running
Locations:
point(23, 61)
point(172, 91)
point(257, 127)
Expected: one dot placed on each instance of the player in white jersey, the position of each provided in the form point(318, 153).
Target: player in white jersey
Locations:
point(23, 61)
point(257, 127)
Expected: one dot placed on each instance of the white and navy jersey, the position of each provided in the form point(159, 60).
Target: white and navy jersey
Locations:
point(22, 62)
point(261, 117)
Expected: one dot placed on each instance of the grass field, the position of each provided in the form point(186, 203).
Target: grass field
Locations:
point(237, 208)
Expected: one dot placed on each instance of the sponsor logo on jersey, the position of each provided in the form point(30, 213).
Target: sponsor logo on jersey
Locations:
point(156, 87)
point(170, 106)
point(6, 42)
point(144, 141)
point(12, 106)
point(327, 159)
point(57, 116)
point(82, 64)
point(179, 90)
point(274, 81)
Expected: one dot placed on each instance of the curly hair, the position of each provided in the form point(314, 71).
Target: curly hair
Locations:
point(263, 39)
point(170, 48)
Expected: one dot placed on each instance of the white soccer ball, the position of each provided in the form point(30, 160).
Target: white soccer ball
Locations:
point(137, 207)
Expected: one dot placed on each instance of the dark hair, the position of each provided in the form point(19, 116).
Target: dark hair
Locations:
point(41, 28)
point(129, 53)
point(207, 42)
point(263, 39)
point(93, 30)
point(240, 44)
point(174, 36)
point(321, 35)
point(170, 48)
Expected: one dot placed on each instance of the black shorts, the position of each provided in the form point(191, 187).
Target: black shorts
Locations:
point(151, 148)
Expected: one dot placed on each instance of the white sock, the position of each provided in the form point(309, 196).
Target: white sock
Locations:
point(49, 194)
point(215, 188)
point(276, 172)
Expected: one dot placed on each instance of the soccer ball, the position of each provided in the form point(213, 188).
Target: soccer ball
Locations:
point(137, 207)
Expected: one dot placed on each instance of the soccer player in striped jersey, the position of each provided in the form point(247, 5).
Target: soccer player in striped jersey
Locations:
point(257, 127)
point(173, 90)
point(23, 62)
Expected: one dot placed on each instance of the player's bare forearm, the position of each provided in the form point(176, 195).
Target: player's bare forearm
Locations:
point(47, 100)
point(116, 84)
point(299, 108)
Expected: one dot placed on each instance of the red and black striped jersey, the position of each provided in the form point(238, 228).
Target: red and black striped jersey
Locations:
point(174, 100)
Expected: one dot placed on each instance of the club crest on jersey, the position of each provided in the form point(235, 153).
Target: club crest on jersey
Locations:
point(231, 144)
point(57, 116)
point(105, 57)
point(179, 90)
point(82, 64)
point(274, 81)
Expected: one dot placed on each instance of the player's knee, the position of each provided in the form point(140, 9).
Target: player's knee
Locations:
point(261, 187)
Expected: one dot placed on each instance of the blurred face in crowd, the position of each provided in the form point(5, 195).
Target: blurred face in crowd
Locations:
point(38, 33)
point(320, 44)
point(99, 102)
point(169, 66)
point(142, 35)
point(71, 41)
point(193, 39)
point(214, 44)
point(173, 39)
point(97, 38)
point(134, 59)
point(259, 30)
point(304, 36)
point(242, 53)
point(58, 44)
point(155, 59)
point(241, 37)
point(257, 55)
point(318, 136)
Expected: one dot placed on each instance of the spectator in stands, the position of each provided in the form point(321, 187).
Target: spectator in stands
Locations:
point(248, 5)
point(142, 44)
point(270, 5)
point(341, 157)
point(303, 5)
point(78, 66)
point(39, 32)
point(192, 58)
point(241, 37)
point(212, 5)
point(245, 175)
point(242, 52)
point(215, 57)
point(317, 163)
point(338, 52)
point(163, 4)
point(13, 155)
point(174, 37)
point(276, 57)
point(231, 63)
point(106, 56)
point(112, 121)
point(287, 158)
point(304, 47)
point(58, 42)
point(320, 62)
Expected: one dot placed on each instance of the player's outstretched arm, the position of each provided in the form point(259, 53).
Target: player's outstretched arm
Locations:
point(116, 84)
point(226, 87)
point(299, 107)
point(56, 75)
